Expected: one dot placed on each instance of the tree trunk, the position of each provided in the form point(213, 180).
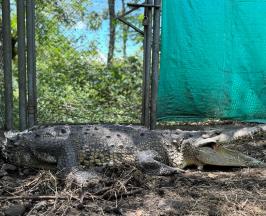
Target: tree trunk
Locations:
point(112, 25)
point(125, 31)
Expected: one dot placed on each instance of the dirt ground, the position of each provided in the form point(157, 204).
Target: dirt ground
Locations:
point(129, 192)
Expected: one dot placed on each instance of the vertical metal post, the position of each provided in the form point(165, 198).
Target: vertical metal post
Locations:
point(31, 62)
point(22, 64)
point(155, 61)
point(147, 64)
point(7, 58)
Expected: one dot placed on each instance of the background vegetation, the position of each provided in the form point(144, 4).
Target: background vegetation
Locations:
point(76, 81)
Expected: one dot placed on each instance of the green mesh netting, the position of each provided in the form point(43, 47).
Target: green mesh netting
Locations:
point(213, 60)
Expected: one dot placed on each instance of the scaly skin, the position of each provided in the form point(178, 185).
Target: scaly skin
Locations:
point(68, 147)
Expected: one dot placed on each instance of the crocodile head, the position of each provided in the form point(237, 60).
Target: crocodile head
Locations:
point(17, 148)
point(202, 152)
point(14, 149)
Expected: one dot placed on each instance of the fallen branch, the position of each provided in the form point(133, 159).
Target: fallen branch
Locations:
point(34, 198)
point(6, 198)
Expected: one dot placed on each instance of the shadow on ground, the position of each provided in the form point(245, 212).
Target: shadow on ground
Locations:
point(129, 192)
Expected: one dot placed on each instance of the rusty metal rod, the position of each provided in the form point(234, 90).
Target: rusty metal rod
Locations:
point(22, 64)
point(147, 64)
point(155, 62)
point(130, 25)
point(7, 60)
point(31, 62)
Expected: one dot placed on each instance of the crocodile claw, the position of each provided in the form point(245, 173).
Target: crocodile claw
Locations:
point(88, 178)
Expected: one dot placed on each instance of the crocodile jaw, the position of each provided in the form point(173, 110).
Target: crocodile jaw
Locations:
point(207, 152)
point(220, 156)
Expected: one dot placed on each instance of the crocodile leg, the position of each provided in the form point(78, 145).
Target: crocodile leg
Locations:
point(146, 160)
point(68, 164)
point(67, 159)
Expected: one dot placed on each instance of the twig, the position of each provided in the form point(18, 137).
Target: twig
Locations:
point(132, 192)
point(70, 197)
point(33, 198)
point(129, 193)
point(103, 190)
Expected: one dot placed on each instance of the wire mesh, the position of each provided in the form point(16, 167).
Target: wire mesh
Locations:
point(75, 84)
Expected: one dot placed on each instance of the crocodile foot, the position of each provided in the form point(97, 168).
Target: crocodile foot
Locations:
point(88, 178)
point(147, 161)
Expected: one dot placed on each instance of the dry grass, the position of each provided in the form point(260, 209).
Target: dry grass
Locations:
point(127, 191)
point(230, 192)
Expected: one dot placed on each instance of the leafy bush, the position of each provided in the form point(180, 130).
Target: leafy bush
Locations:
point(76, 85)
point(90, 91)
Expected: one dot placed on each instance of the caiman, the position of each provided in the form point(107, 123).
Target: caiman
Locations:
point(157, 152)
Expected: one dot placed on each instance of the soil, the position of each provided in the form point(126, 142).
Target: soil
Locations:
point(214, 191)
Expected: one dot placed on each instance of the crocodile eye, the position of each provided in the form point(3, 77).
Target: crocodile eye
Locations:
point(12, 142)
point(63, 131)
point(189, 135)
point(209, 144)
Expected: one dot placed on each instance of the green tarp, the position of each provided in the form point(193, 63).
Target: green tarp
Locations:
point(213, 60)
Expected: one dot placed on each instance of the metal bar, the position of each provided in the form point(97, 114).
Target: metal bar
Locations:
point(155, 62)
point(7, 58)
point(126, 13)
point(147, 23)
point(147, 64)
point(149, 5)
point(144, 83)
point(22, 65)
point(31, 62)
point(130, 25)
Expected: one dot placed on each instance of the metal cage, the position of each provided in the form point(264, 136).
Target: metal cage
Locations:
point(27, 62)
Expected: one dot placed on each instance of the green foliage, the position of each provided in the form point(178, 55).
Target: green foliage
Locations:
point(76, 85)
point(89, 92)
point(66, 12)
